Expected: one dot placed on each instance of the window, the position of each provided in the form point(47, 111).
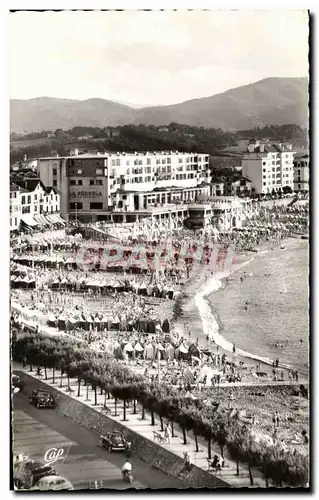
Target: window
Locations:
point(80, 182)
point(91, 182)
point(75, 206)
point(148, 161)
point(299, 187)
point(35, 208)
point(10, 221)
point(124, 196)
point(99, 182)
point(113, 163)
point(99, 171)
point(169, 161)
point(54, 183)
point(54, 171)
point(72, 182)
point(29, 199)
point(25, 210)
point(96, 205)
point(15, 221)
point(23, 200)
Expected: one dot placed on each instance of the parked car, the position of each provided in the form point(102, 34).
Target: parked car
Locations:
point(17, 383)
point(53, 483)
point(115, 441)
point(42, 399)
point(27, 472)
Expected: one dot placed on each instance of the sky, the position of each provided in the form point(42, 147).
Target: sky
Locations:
point(152, 58)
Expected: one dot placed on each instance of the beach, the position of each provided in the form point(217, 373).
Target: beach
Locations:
point(277, 308)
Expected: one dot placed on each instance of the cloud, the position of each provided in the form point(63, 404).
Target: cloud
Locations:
point(152, 57)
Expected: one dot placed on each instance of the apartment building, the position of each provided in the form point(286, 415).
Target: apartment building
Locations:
point(269, 167)
point(91, 186)
point(301, 173)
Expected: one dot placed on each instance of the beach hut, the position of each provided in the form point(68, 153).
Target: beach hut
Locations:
point(183, 352)
point(194, 351)
point(159, 351)
point(139, 349)
point(169, 352)
point(149, 351)
point(165, 326)
point(61, 321)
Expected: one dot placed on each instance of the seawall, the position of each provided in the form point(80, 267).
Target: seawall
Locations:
point(145, 449)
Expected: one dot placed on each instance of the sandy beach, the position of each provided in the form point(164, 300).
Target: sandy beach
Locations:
point(205, 327)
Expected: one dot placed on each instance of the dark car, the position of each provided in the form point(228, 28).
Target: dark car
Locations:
point(17, 383)
point(115, 441)
point(42, 399)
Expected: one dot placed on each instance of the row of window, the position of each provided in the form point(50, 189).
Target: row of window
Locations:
point(15, 223)
point(79, 206)
point(159, 161)
point(92, 182)
point(26, 199)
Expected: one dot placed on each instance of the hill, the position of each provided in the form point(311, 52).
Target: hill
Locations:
point(275, 101)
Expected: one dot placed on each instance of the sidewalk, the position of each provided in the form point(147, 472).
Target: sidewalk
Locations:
point(145, 429)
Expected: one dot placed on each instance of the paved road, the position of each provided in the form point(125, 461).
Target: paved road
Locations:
point(37, 430)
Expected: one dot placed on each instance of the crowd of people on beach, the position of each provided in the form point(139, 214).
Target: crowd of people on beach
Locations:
point(71, 301)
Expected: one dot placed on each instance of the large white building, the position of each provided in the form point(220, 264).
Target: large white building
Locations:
point(301, 173)
point(269, 167)
point(92, 186)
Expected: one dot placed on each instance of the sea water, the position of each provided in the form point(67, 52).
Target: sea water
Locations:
point(276, 288)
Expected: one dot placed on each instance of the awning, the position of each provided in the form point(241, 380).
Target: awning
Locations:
point(60, 219)
point(50, 218)
point(38, 220)
point(28, 220)
point(43, 219)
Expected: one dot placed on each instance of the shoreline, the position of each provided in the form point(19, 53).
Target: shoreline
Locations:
point(204, 319)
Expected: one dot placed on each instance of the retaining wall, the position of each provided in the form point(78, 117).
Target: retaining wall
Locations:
point(145, 449)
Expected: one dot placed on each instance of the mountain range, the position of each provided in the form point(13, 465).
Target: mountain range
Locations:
point(272, 101)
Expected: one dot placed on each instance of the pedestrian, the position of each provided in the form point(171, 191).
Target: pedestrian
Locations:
point(234, 349)
point(282, 375)
point(296, 375)
point(167, 434)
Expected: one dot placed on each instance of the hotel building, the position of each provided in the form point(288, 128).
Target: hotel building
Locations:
point(125, 186)
point(269, 167)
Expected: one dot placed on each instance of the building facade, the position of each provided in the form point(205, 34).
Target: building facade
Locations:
point(301, 173)
point(92, 186)
point(269, 167)
point(15, 207)
point(30, 201)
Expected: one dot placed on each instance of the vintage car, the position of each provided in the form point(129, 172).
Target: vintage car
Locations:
point(42, 399)
point(27, 472)
point(115, 441)
point(53, 483)
point(16, 382)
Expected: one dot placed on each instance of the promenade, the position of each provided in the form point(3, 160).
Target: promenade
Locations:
point(135, 423)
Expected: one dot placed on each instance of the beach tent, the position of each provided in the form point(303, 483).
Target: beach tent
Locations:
point(149, 351)
point(194, 351)
point(182, 352)
point(169, 352)
point(165, 326)
point(61, 322)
